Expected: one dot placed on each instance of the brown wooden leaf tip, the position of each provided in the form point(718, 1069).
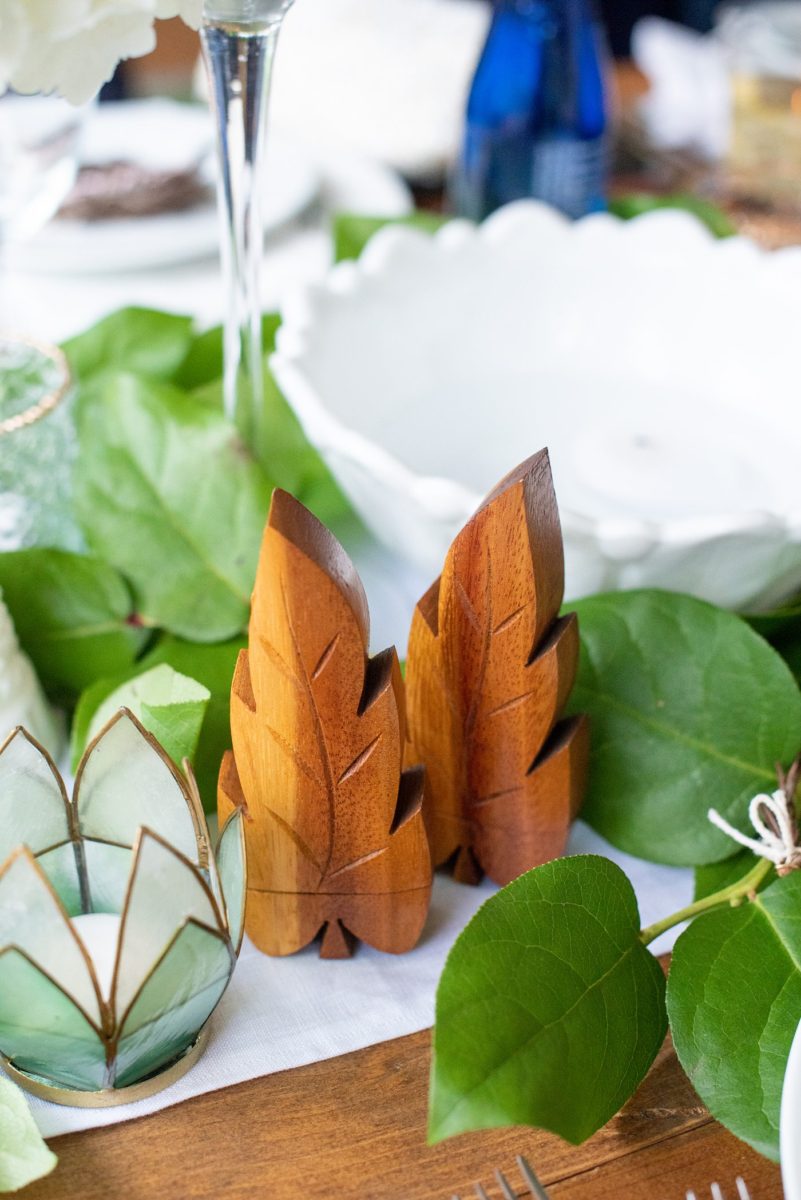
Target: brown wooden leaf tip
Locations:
point(335, 831)
point(489, 671)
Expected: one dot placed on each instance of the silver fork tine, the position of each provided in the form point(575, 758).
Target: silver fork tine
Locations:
point(480, 1193)
point(503, 1184)
point(526, 1170)
point(742, 1190)
point(717, 1192)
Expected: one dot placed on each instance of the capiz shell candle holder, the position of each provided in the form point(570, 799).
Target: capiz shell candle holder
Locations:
point(119, 930)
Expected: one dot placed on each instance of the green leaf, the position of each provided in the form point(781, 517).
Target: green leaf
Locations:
point(72, 614)
point(778, 621)
point(352, 232)
point(170, 706)
point(734, 999)
point(550, 1010)
point(690, 710)
point(717, 876)
point(213, 666)
point(140, 340)
point(203, 362)
point(637, 203)
point(24, 1155)
point(168, 494)
point(286, 455)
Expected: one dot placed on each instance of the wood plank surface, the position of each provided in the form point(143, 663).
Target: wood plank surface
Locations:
point(353, 1128)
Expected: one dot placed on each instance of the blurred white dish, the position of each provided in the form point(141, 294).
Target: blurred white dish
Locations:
point(390, 77)
point(791, 1124)
point(658, 365)
point(162, 134)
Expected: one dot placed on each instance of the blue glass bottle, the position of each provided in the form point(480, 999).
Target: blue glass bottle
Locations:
point(537, 115)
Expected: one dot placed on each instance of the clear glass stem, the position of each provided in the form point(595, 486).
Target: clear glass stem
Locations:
point(239, 57)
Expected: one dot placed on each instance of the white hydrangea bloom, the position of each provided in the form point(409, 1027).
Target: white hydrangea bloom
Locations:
point(73, 46)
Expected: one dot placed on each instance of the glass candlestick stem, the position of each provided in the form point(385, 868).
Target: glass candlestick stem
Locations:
point(239, 39)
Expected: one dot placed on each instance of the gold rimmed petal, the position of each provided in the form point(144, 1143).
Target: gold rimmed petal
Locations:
point(126, 781)
point(42, 1030)
point(34, 808)
point(33, 919)
point(232, 868)
point(174, 1002)
point(165, 890)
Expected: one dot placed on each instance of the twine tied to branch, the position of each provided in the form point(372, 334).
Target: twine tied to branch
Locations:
point(774, 820)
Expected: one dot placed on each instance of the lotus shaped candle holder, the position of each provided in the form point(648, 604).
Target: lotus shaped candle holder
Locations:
point(119, 930)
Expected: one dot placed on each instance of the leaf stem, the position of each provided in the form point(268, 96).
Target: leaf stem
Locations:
point(733, 896)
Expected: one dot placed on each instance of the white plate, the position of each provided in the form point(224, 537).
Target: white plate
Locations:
point(163, 134)
point(791, 1124)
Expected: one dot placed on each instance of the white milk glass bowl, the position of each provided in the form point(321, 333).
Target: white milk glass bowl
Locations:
point(657, 364)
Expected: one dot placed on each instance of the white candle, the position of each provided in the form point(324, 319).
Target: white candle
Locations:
point(100, 933)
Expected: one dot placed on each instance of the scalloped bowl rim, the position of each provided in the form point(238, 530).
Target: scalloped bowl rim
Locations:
point(445, 499)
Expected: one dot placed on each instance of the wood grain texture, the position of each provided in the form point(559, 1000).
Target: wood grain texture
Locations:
point(335, 834)
point(489, 671)
point(353, 1128)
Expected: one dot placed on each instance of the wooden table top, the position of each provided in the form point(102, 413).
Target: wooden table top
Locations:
point(353, 1128)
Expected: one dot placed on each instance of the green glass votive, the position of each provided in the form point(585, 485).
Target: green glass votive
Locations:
point(119, 929)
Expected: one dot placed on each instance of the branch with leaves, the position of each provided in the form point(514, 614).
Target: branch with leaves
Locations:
point(551, 1008)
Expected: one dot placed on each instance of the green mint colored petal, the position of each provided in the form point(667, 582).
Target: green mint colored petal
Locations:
point(170, 706)
point(24, 1155)
point(210, 665)
point(72, 616)
point(352, 232)
point(717, 876)
point(550, 1011)
point(734, 1000)
point(213, 666)
point(132, 339)
point(169, 495)
point(689, 710)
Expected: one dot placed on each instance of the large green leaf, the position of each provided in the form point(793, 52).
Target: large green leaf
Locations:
point(550, 1009)
point(133, 339)
point(167, 492)
point(213, 666)
point(72, 614)
point(690, 710)
point(24, 1156)
point(734, 999)
point(170, 706)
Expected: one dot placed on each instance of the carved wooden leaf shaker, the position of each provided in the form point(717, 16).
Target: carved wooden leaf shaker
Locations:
point(335, 832)
point(490, 668)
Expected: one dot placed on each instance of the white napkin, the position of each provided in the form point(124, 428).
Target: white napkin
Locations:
point(689, 104)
